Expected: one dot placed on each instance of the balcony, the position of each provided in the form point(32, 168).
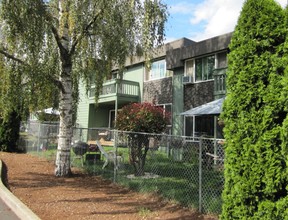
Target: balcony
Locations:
point(122, 90)
point(219, 83)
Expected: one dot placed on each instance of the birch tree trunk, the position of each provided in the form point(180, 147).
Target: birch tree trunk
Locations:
point(65, 127)
point(66, 99)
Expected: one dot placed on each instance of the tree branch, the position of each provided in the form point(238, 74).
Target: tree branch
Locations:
point(58, 40)
point(85, 31)
point(12, 57)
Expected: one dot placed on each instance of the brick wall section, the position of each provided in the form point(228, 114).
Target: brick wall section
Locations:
point(158, 91)
point(198, 94)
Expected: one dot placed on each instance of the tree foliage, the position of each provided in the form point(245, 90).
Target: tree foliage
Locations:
point(9, 132)
point(255, 115)
point(52, 45)
point(101, 34)
point(143, 118)
point(12, 108)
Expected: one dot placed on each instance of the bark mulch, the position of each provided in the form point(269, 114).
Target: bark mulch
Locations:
point(81, 196)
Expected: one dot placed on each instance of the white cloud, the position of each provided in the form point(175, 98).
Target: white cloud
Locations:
point(181, 8)
point(217, 17)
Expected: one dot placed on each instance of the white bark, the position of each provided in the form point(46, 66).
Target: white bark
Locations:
point(65, 129)
point(66, 99)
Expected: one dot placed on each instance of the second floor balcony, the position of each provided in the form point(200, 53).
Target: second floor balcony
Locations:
point(219, 76)
point(123, 90)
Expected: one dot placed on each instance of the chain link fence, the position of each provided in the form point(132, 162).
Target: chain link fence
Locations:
point(38, 137)
point(185, 170)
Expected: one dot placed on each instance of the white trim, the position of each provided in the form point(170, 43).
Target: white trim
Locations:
point(147, 72)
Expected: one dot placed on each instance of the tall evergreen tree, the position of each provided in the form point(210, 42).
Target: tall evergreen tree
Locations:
point(255, 116)
point(59, 42)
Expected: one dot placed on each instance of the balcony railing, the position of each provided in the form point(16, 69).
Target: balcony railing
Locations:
point(117, 87)
point(219, 82)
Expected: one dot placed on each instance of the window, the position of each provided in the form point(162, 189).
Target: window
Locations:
point(157, 71)
point(200, 69)
point(204, 125)
point(204, 68)
point(115, 75)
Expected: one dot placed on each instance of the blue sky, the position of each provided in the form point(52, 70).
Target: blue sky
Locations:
point(202, 19)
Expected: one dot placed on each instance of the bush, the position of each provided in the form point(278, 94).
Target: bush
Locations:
point(141, 117)
point(9, 132)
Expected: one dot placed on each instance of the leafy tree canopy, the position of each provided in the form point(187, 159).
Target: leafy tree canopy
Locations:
point(95, 35)
point(48, 46)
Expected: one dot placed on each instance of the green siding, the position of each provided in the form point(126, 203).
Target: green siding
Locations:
point(136, 73)
point(177, 122)
point(99, 117)
point(89, 115)
point(83, 107)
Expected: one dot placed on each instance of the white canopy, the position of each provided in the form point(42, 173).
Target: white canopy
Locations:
point(210, 108)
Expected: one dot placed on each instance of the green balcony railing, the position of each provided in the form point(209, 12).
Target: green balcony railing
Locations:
point(219, 82)
point(117, 87)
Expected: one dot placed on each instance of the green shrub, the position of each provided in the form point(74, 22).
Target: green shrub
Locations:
point(9, 132)
point(142, 117)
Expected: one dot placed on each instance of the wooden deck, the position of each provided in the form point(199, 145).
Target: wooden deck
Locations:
point(102, 142)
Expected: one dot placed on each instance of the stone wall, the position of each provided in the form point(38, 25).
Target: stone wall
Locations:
point(198, 94)
point(158, 91)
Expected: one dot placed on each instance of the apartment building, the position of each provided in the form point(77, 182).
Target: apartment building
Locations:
point(184, 74)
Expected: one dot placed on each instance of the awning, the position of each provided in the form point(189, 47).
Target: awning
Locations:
point(210, 108)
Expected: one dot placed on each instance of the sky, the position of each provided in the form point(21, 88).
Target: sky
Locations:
point(202, 19)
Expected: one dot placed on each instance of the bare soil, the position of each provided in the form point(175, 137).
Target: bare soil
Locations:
point(81, 196)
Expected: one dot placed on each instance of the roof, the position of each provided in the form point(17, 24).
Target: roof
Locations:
point(210, 108)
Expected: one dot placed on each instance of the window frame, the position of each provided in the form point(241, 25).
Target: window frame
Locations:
point(194, 60)
point(160, 73)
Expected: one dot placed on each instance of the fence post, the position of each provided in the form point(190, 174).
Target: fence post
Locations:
point(200, 175)
point(38, 138)
point(168, 144)
point(115, 134)
point(215, 151)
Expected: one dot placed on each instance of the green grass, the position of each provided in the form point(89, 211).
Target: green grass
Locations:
point(178, 181)
point(144, 212)
point(175, 180)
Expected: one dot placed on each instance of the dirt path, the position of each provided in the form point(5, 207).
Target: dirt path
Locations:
point(31, 179)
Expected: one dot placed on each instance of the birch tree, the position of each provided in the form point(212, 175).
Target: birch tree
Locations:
point(57, 43)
